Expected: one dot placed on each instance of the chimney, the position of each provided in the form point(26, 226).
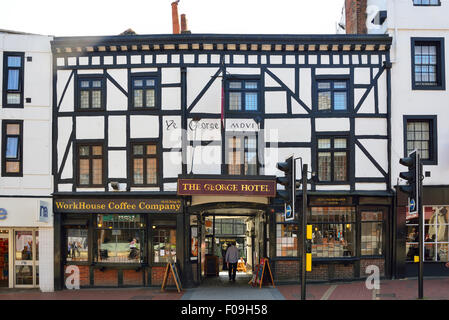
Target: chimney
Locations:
point(184, 24)
point(174, 14)
point(355, 12)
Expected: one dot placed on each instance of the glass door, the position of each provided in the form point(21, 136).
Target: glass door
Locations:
point(4, 258)
point(26, 258)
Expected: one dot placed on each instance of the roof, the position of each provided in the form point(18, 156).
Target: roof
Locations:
point(244, 42)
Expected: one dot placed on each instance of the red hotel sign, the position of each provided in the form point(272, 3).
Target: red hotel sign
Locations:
point(206, 187)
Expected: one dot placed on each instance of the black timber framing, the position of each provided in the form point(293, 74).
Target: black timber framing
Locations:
point(221, 60)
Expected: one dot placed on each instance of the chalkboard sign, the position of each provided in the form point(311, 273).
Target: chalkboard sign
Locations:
point(262, 272)
point(173, 270)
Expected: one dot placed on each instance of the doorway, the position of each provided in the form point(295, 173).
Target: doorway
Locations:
point(216, 232)
point(26, 258)
point(4, 258)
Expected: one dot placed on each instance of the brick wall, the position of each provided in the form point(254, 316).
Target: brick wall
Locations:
point(84, 275)
point(364, 263)
point(342, 271)
point(319, 272)
point(132, 278)
point(106, 278)
point(355, 11)
point(286, 271)
point(157, 276)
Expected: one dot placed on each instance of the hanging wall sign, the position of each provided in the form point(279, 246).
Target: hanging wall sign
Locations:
point(43, 211)
point(206, 187)
point(118, 205)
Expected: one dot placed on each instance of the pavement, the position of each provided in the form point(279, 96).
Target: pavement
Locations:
point(220, 288)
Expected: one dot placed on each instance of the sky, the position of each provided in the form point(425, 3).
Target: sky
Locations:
point(111, 17)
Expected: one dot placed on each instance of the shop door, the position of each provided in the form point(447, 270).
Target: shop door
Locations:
point(26, 258)
point(4, 258)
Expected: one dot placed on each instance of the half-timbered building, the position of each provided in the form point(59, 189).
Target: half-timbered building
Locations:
point(164, 143)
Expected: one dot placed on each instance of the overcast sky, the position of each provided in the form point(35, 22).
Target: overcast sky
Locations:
point(111, 17)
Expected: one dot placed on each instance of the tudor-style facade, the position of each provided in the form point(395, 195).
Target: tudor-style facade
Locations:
point(154, 118)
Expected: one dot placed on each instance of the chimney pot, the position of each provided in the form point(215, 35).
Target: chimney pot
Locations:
point(175, 19)
point(183, 23)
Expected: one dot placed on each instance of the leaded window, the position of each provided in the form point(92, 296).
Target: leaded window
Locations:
point(372, 233)
point(286, 237)
point(144, 164)
point(243, 95)
point(90, 165)
point(333, 232)
point(143, 92)
point(91, 93)
point(332, 159)
point(332, 95)
point(242, 155)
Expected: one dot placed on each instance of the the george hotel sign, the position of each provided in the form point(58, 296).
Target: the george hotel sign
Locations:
point(205, 187)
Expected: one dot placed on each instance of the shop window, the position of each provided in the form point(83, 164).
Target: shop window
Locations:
point(77, 245)
point(13, 80)
point(242, 155)
point(428, 64)
point(12, 148)
point(90, 165)
point(332, 159)
point(333, 232)
point(91, 93)
point(143, 92)
point(144, 164)
point(332, 95)
point(164, 241)
point(436, 238)
point(120, 238)
point(371, 239)
point(286, 237)
point(243, 95)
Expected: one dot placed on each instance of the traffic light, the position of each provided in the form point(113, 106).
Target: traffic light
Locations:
point(290, 185)
point(412, 178)
point(287, 180)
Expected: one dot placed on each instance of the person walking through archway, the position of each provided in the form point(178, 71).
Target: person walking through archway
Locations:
point(232, 256)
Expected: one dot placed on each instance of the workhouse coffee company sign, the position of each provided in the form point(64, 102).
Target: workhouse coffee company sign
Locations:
point(263, 188)
point(118, 205)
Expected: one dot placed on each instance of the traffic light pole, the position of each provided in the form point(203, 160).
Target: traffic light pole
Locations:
point(421, 232)
point(303, 233)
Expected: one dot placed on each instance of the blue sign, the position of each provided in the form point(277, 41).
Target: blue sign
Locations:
point(289, 215)
point(43, 211)
point(413, 208)
point(3, 214)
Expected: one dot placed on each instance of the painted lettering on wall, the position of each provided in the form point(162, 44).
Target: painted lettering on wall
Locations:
point(119, 205)
point(171, 124)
